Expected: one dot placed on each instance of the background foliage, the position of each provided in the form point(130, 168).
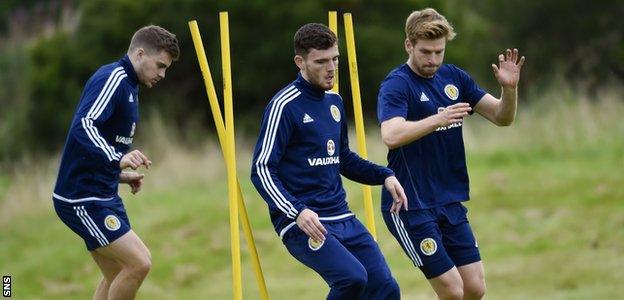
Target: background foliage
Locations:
point(48, 49)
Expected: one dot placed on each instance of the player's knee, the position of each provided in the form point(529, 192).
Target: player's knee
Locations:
point(358, 282)
point(452, 293)
point(145, 266)
point(148, 253)
point(474, 290)
point(141, 267)
point(391, 289)
point(354, 281)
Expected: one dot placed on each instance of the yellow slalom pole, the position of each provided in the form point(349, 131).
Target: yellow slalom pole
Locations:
point(333, 25)
point(216, 114)
point(210, 89)
point(359, 120)
point(230, 157)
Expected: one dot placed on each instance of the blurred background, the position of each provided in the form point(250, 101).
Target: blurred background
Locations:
point(547, 192)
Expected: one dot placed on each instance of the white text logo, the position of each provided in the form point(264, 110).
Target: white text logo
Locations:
point(123, 140)
point(323, 161)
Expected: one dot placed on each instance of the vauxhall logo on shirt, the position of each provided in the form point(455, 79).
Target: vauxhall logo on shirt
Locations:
point(126, 140)
point(458, 124)
point(324, 161)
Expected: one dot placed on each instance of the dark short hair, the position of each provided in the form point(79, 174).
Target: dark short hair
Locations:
point(313, 36)
point(154, 39)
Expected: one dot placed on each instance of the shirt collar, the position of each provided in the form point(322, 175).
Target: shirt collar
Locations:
point(127, 65)
point(308, 88)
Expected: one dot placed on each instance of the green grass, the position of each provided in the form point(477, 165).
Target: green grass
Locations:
point(546, 208)
point(4, 184)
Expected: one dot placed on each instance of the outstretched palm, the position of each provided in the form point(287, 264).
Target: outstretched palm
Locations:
point(508, 70)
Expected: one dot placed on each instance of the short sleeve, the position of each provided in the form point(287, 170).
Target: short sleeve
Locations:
point(392, 99)
point(470, 90)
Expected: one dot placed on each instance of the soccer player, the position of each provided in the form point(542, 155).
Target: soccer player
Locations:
point(421, 106)
point(96, 151)
point(300, 154)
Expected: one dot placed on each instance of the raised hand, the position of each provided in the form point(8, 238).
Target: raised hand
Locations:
point(134, 160)
point(309, 223)
point(507, 72)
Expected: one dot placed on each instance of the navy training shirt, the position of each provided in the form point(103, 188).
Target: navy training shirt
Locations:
point(431, 169)
point(301, 151)
point(101, 133)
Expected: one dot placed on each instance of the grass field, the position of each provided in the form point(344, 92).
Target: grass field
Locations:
point(547, 208)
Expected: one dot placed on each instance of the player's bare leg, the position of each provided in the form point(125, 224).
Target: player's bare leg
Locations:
point(474, 280)
point(110, 268)
point(448, 286)
point(135, 261)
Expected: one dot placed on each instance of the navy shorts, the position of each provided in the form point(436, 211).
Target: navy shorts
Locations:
point(98, 223)
point(435, 239)
point(348, 254)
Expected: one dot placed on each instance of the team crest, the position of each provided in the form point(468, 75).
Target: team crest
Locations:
point(112, 223)
point(314, 245)
point(428, 246)
point(335, 113)
point(133, 128)
point(331, 147)
point(451, 91)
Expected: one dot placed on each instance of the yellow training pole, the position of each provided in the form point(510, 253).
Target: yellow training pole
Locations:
point(210, 89)
point(216, 114)
point(230, 157)
point(333, 25)
point(359, 120)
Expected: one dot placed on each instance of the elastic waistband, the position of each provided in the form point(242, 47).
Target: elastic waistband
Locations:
point(332, 218)
point(61, 198)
